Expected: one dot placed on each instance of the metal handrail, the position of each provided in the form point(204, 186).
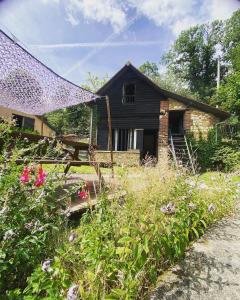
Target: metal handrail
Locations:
point(173, 151)
point(190, 156)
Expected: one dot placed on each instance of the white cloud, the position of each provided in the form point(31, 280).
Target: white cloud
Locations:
point(104, 11)
point(50, 1)
point(220, 9)
point(163, 12)
point(178, 15)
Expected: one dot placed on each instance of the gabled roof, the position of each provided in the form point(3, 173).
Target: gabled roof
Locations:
point(187, 101)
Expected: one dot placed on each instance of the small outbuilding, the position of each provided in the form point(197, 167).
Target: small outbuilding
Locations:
point(146, 117)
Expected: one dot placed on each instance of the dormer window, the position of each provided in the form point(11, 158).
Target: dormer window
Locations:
point(129, 90)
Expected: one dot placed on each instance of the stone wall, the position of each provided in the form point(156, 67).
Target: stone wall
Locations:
point(196, 121)
point(201, 123)
point(121, 158)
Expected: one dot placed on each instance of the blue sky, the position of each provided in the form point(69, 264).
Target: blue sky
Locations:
point(74, 37)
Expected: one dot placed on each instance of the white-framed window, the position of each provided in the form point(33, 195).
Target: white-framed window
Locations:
point(123, 139)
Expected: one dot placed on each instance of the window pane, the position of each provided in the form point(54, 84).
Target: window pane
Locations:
point(19, 120)
point(29, 123)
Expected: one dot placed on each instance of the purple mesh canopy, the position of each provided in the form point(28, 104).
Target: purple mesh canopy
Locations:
point(29, 86)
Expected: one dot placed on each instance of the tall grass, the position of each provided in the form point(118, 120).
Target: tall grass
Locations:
point(141, 225)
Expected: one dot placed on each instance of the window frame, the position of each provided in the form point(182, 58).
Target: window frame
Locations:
point(124, 93)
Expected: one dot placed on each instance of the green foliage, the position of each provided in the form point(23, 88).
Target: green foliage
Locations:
point(228, 96)
point(149, 69)
point(192, 58)
point(217, 153)
point(32, 215)
point(123, 244)
point(232, 40)
point(76, 119)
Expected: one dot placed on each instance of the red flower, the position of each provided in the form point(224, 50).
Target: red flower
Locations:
point(83, 195)
point(25, 175)
point(40, 177)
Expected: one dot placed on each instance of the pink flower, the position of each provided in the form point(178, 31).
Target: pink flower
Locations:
point(83, 195)
point(40, 177)
point(25, 175)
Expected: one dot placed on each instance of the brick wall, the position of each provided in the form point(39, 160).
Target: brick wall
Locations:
point(163, 123)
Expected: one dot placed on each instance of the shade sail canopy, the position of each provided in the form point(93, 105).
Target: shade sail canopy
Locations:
point(29, 86)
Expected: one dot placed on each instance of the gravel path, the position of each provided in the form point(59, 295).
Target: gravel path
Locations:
point(210, 270)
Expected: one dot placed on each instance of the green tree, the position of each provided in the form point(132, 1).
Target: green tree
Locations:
point(76, 119)
point(232, 40)
point(228, 96)
point(149, 69)
point(193, 58)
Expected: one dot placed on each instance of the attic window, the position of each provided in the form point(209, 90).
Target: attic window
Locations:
point(129, 90)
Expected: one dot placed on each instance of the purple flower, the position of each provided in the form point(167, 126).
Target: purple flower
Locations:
point(169, 209)
point(72, 292)
point(72, 237)
point(46, 265)
point(211, 208)
point(29, 225)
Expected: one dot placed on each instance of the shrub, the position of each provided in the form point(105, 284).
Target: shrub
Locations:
point(134, 233)
point(32, 215)
point(222, 154)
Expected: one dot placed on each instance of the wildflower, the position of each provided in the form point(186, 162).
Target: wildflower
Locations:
point(25, 175)
point(83, 195)
point(192, 205)
point(169, 209)
point(72, 237)
point(3, 210)
point(40, 177)
point(46, 265)
point(26, 139)
point(190, 182)
point(42, 194)
point(72, 292)
point(66, 212)
point(183, 198)
point(202, 185)
point(211, 208)
point(8, 234)
point(29, 225)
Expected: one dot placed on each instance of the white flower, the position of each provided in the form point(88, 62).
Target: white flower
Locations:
point(42, 194)
point(190, 182)
point(72, 292)
point(72, 237)
point(3, 210)
point(46, 265)
point(26, 139)
point(202, 185)
point(192, 205)
point(211, 208)
point(183, 198)
point(8, 234)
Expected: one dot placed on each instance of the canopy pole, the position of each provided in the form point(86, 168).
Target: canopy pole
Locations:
point(91, 127)
point(109, 132)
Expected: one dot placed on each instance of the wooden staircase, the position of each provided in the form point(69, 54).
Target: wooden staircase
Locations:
point(182, 152)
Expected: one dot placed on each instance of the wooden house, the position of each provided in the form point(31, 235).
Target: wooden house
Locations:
point(146, 117)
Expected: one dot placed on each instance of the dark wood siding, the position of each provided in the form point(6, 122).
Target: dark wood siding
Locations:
point(144, 113)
